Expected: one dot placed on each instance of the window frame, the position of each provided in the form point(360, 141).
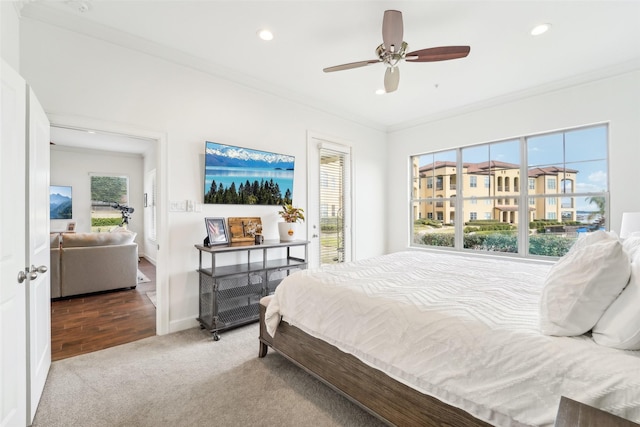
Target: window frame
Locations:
point(523, 199)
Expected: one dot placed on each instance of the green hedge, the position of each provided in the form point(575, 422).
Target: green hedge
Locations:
point(427, 221)
point(555, 246)
point(105, 222)
point(493, 226)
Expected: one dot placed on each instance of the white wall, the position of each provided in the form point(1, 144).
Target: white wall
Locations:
point(72, 167)
point(615, 100)
point(80, 76)
point(9, 35)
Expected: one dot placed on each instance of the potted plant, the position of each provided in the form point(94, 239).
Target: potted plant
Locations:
point(289, 228)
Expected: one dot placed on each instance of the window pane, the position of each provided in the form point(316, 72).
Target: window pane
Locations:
point(429, 225)
point(491, 228)
point(109, 200)
point(591, 177)
point(545, 149)
point(437, 175)
point(586, 144)
point(561, 222)
point(475, 169)
point(332, 232)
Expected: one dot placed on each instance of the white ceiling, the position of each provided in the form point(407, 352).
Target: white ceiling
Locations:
point(588, 39)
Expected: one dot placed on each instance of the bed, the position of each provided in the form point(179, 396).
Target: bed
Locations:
point(421, 338)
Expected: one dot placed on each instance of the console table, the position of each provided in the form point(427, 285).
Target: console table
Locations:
point(230, 294)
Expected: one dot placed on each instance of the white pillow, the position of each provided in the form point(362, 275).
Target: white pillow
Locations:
point(619, 326)
point(582, 284)
point(632, 244)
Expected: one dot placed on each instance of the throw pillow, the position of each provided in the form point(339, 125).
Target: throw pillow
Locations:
point(75, 240)
point(619, 326)
point(582, 284)
point(632, 244)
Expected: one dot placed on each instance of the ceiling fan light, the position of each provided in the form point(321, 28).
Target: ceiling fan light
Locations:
point(380, 91)
point(540, 29)
point(265, 34)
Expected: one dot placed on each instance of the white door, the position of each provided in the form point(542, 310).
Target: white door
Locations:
point(38, 256)
point(13, 376)
point(329, 207)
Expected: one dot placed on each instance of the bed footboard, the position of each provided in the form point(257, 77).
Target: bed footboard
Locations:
point(373, 390)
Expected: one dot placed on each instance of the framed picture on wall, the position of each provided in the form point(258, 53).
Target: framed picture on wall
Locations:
point(60, 204)
point(216, 232)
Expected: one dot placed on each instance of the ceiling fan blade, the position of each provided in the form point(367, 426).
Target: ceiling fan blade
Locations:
point(391, 79)
point(392, 30)
point(350, 65)
point(442, 53)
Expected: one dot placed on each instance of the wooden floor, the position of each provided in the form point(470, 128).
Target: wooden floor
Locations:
point(89, 323)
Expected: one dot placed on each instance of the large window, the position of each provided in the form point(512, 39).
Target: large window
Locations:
point(565, 186)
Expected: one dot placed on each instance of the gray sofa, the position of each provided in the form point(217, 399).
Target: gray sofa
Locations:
point(93, 262)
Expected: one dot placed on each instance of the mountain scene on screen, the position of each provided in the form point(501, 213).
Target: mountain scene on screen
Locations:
point(229, 156)
point(60, 206)
point(236, 175)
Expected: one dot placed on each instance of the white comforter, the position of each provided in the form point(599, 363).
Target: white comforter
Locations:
point(463, 329)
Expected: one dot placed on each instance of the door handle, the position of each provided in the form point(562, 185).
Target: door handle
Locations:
point(22, 276)
point(33, 274)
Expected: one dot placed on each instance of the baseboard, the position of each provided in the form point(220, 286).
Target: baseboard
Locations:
point(151, 260)
point(182, 324)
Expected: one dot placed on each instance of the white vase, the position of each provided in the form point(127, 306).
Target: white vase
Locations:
point(288, 231)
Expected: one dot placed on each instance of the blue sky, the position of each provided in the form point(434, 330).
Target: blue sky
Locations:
point(62, 190)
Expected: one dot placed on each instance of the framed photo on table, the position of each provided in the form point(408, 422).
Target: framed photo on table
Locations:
point(216, 232)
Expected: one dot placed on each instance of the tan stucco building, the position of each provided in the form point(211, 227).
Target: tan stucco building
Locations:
point(491, 191)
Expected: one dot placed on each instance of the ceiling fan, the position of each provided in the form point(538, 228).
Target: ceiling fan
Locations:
point(393, 50)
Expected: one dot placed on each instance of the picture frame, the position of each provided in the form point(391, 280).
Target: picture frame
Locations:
point(60, 202)
point(71, 227)
point(217, 233)
point(245, 176)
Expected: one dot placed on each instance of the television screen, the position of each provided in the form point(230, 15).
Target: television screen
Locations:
point(242, 176)
point(60, 206)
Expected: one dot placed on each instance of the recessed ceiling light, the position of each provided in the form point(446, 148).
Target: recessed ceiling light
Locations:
point(540, 29)
point(380, 92)
point(91, 131)
point(265, 34)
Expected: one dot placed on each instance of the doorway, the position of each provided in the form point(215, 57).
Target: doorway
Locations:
point(91, 322)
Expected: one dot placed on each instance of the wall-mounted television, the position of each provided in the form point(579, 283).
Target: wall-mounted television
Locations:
point(243, 176)
point(60, 206)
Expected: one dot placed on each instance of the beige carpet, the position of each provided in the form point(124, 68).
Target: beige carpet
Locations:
point(187, 379)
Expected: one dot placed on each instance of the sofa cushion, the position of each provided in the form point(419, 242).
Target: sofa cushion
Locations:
point(74, 240)
point(55, 240)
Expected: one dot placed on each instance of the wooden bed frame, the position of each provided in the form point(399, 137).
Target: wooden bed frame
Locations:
point(388, 399)
point(384, 397)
